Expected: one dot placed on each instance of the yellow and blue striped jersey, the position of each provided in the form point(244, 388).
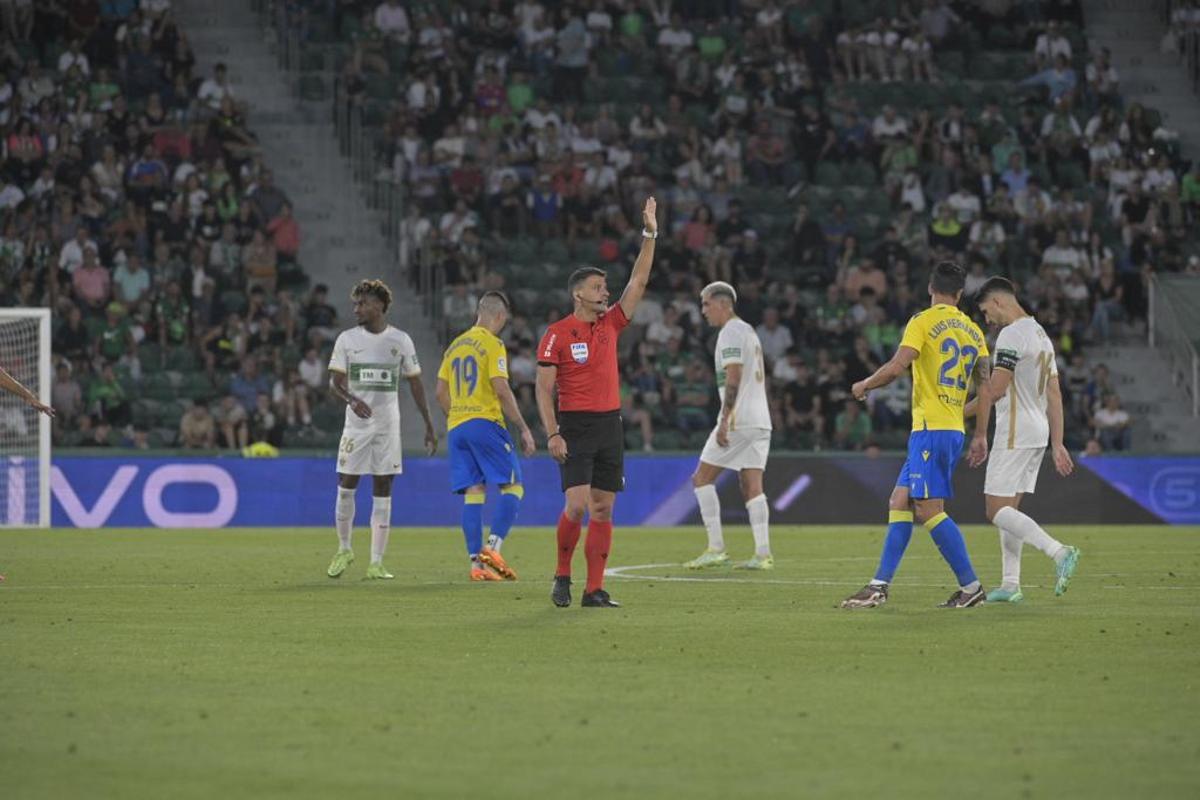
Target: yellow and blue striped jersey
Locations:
point(948, 343)
point(470, 363)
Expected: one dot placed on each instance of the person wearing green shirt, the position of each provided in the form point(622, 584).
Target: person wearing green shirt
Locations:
point(116, 337)
point(107, 396)
point(1190, 189)
point(520, 93)
point(852, 427)
point(711, 43)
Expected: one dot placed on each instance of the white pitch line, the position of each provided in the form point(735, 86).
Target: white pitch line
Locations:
point(620, 572)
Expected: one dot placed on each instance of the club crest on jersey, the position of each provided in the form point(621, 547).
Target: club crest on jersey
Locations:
point(579, 352)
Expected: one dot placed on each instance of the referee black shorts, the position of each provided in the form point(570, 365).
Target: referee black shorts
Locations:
point(595, 450)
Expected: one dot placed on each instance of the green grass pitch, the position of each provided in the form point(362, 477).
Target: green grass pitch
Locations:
point(208, 664)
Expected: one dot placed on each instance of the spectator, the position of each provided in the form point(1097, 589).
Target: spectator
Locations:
point(197, 429)
point(91, 282)
point(853, 428)
point(66, 394)
point(248, 384)
point(232, 422)
point(285, 234)
point(131, 282)
point(1112, 425)
point(776, 339)
point(106, 398)
point(264, 427)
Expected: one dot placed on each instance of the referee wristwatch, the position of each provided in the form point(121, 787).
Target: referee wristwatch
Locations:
point(649, 234)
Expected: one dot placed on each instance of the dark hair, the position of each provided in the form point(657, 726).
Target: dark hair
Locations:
point(580, 275)
point(993, 285)
point(373, 288)
point(948, 278)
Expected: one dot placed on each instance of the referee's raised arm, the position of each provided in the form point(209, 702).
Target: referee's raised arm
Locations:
point(641, 268)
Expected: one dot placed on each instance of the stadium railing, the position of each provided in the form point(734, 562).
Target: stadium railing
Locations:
point(1175, 330)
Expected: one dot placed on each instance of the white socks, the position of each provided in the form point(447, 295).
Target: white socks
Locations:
point(381, 526)
point(1024, 528)
point(710, 513)
point(343, 515)
point(1010, 560)
point(760, 513)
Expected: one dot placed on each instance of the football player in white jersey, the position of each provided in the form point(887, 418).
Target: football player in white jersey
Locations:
point(1028, 399)
point(365, 370)
point(741, 440)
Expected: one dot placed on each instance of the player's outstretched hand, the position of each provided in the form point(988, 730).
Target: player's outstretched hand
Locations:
point(527, 444)
point(978, 452)
point(558, 449)
point(859, 390)
point(360, 408)
point(42, 408)
point(1062, 461)
point(648, 219)
point(431, 441)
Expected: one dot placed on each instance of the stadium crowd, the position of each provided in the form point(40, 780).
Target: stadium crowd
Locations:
point(136, 205)
point(819, 159)
point(508, 124)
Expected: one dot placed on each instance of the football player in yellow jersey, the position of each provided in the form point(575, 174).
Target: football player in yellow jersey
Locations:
point(945, 350)
point(473, 390)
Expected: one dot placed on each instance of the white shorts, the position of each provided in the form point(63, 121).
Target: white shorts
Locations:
point(1013, 472)
point(748, 449)
point(369, 453)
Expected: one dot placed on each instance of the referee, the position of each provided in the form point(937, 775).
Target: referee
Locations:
point(578, 356)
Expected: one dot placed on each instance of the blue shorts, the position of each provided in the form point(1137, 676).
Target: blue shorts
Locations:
point(481, 452)
point(928, 472)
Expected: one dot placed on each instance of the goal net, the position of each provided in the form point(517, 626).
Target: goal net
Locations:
point(24, 433)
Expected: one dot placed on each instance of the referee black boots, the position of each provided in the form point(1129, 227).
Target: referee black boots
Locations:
point(561, 593)
point(599, 599)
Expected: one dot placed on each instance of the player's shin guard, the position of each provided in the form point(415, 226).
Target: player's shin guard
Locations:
point(760, 514)
point(950, 543)
point(710, 515)
point(568, 537)
point(472, 522)
point(381, 527)
point(599, 540)
point(343, 515)
point(506, 514)
point(899, 532)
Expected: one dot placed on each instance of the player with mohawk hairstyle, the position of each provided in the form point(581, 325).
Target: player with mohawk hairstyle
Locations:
point(741, 440)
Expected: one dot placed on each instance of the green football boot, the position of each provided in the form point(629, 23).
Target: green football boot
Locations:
point(378, 572)
point(1002, 595)
point(341, 560)
point(758, 562)
point(1065, 570)
point(709, 558)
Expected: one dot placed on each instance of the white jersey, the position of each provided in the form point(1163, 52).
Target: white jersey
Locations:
point(1024, 349)
point(737, 343)
point(373, 364)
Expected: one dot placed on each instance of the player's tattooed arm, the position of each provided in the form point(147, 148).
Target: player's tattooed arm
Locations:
point(339, 387)
point(733, 382)
point(638, 280)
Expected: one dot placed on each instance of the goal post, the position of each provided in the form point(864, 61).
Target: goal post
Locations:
point(24, 433)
